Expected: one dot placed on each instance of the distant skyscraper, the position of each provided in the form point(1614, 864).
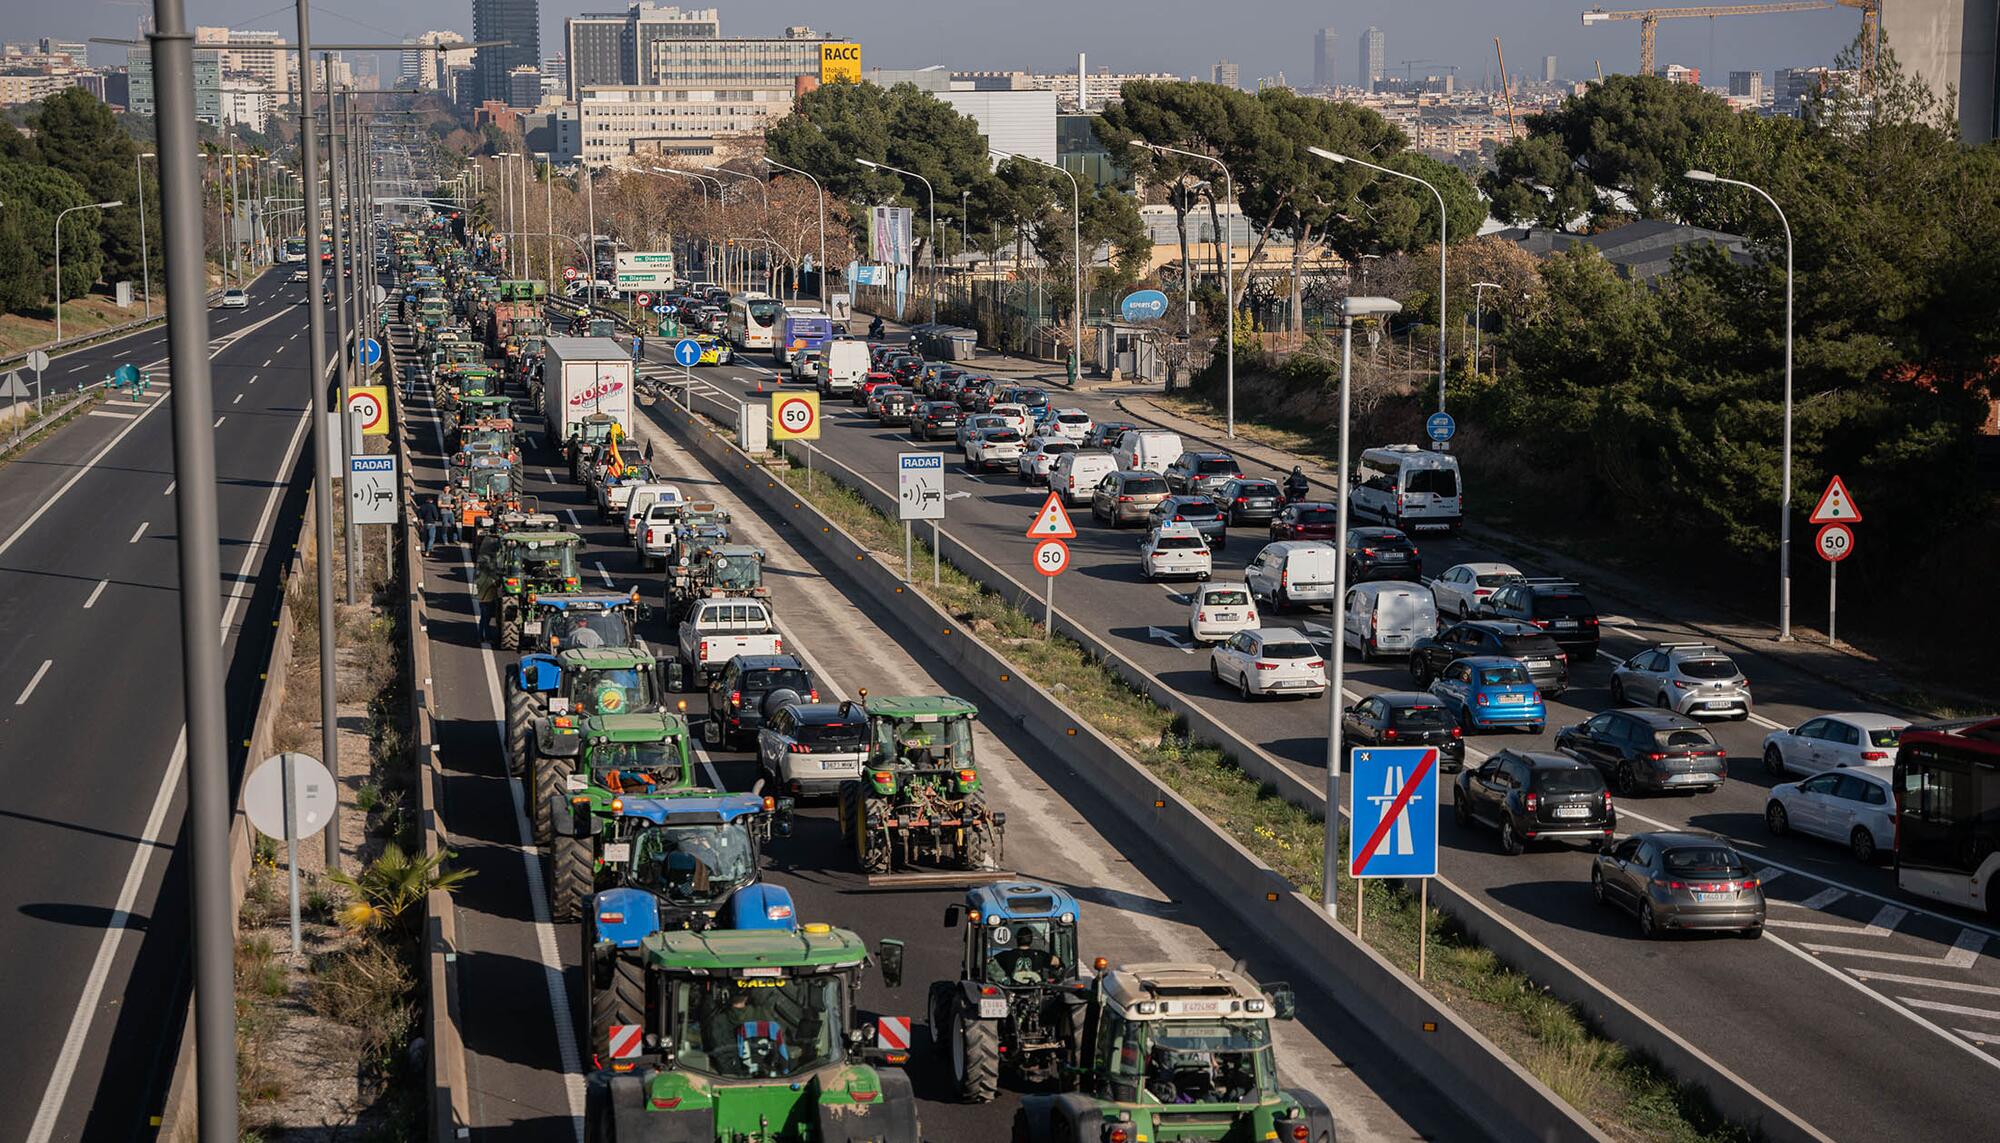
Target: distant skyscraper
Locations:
point(1548, 69)
point(1323, 71)
point(519, 23)
point(1225, 73)
point(1374, 45)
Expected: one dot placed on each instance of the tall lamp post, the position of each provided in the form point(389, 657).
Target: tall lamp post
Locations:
point(1336, 157)
point(1785, 494)
point(708, 254)
point(1350, 308)
point(821, 191)
point(507, 204)
point(766, 193)
point(145, 261)
point(1228, 281)
point(549, 211)
point(72, 210)
point(930, 245)
point(1076, 241)
point(1478, 295)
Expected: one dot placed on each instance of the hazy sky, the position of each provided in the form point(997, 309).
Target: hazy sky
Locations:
point(1181, 36)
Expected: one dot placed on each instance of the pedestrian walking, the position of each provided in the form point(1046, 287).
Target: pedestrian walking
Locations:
point(431, 519)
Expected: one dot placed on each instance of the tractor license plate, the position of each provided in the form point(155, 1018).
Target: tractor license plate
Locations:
point(574, 782)
point(991, 1009)
point(617, 852)
point(558, 705)
point(532, 627)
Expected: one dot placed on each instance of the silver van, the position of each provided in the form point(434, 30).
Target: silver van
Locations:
point(1388, 617)
point(1293, 571)
point(1409, 488)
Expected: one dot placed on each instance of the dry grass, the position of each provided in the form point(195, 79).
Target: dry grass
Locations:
point(81, 317)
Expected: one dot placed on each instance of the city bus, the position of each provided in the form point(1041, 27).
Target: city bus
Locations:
point(751, 318)
point(295, 250)
point(801, 330)
point(1948, 812)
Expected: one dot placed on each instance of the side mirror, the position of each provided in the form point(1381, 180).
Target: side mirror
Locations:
point(1284, 1002)
point(953, 914)
point(890, 953)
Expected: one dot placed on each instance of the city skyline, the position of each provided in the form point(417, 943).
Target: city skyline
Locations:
point(1123, 35)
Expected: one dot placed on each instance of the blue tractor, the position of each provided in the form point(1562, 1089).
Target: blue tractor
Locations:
point(554, 624)
point(1018, 989)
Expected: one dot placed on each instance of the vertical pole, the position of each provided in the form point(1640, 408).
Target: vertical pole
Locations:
point(235, 210)
point(145, 260)
point(1423, 923)
point(1832, 589)
point(590, 240)
point(208, 794)
point(937, 547)
point(344, 354)
point(906, 551)
point(1785, 505)
point(291, 849)
point(1329, 882)
point(1360, 898)
point(1049, 608)
point(1229, 302)
point(809, 470)
point(322, 444)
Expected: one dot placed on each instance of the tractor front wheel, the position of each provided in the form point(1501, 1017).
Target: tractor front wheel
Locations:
point(520, 727)
point(975, 1058)
point(574, 865)
point(510, 629)
point(550, 776)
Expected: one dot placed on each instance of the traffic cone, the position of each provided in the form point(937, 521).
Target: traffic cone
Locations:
point(760, 386)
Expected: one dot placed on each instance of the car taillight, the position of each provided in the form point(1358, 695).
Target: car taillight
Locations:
point(799, 748)
point(1284, 577)
point(1316, 664)
point(1369, 552)
point(1265, 666)
point(1457, 732)
point(812, 696)
point(1124, 499)
point(1666, 884)
point(1590, 622)
point(1539, 622)
point(1201, 617)
point(1482, 700)
point(1873, 755)
point(1535, 696)
point(1389, 733)
point(1656, 756)
point(1242, 500)
point(1180, 519)
point(611, 918)
point(777, 644)
point(703, 650)
point(1679, 685)
point(862, 1096)
point(735, 698)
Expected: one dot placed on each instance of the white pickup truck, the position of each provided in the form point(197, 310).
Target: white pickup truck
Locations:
point(716, 631)
point(656, 535)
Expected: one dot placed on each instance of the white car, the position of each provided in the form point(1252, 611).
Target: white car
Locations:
point(1831, 741)
point(1016, 416)
point(1218, 610)
point(1175, 549)
point(299, 275)
point(1855, 807)
point(234, 299)
point(1072, 423)
point(1269, 660)
point(1040, 456)
point(805, 366)
point(996, 447)
point(1459, 590)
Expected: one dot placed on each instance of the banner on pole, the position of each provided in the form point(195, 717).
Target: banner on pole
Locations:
point(890, 230)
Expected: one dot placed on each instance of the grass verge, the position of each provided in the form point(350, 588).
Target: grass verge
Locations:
point(1626, 1094)
point(10, 452)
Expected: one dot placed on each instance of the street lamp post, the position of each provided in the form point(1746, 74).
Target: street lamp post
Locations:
point(1785, 493)
point(1351, 307)
point(931, 243)
point(549, 211)
point(1335, 157)
point(769, 285)
point(1478, 295)
point(145, 260)
point(1076, 241)
point(1228, 283)
point(708, 253)
point(72, 210)
point(507, 204)
point(821, 191)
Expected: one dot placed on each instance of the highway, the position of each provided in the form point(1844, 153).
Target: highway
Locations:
point(1854, 993)
point(518, 972)
point(92, 912)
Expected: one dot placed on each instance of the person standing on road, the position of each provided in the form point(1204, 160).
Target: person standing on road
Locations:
point(432, 520)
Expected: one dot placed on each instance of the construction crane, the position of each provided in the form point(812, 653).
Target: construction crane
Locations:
point(1649, 18)
point(1506, 90)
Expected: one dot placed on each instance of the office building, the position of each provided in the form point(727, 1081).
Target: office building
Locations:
point(1323, 70)
point(242, 52)
point(33, 87)
point(207, 83)
point(1792, 86)
point(555, 77)
point(244, 105)
point(1374, 46)
point(518, 22)
point(614, 48)
point(1951, 44)
point(1225, 73)
point(524, 87)
point(1680, 73)
point(737, 63)
point(1548, 69)
point(424, 69)
point(1747, 85)
point(704, 90)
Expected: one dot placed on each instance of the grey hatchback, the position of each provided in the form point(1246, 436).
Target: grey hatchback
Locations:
point(1679, 881)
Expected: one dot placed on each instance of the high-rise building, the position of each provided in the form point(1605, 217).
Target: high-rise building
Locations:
point(207, 83)
point(555, 75)
point(524, 86)
point(424, 69)
point(1374, 45)
point(1323, 70)
point(704, 92)
point(1748, 85)
point(241, 50)
point(519, 23)
point(1548, 69)
point(1951, 44)
point(613, 48)
point(1792, 86)
point(1225, 73)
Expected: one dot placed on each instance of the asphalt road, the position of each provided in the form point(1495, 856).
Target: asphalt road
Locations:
point(518, 972)
point(92, 916)
point(1854, 992)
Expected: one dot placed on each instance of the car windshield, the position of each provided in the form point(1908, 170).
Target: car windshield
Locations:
point(492, 481)
point(948, 741)
point(1569, 780)
point(1316, 516)
point(756, 1027)
point(1288, 651)
point(552, 562)
point(1145, 486)
point(1208, 1061)
point(1708, 668)
point(622, 690)
point(1683, 738)
point(1508, 674)
point(738, 570)
point(694, 864)
point(764, 312)
point(831, 735)
point(1425, 717)
point(1711, 859)
point(569, 629)
point(1025, 952)
point(1230, 598)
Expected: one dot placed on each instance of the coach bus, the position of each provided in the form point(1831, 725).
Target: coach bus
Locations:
point(751, 319)
point(801, 330)
point(295, 250)
point(1948, 812)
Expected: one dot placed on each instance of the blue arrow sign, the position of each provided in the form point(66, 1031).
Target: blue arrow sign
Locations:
point(663, 308)
point(371, 351)
point(1395, 829)
point(687, 351)
point(1440, 426)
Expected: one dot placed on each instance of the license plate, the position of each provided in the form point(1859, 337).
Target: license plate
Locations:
point(992, 1009)
point(838, 767)
point(1508, 700)
point(1536, 662)
point(531, 628)
point(1684, 778)
point(1713, 896)
point(1565, 624)
point(575, 782)
point(1281, 683)
point(1225, 616)
point(558, 706)
point(617, 852)
point(1572, 811)
point(1192, 1006)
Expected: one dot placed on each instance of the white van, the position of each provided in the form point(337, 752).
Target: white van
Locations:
point(1148, 450)
point(842, 365)
point(1410, 488)
point(1293, 571)
point(1387, 617)
point(1076, 474)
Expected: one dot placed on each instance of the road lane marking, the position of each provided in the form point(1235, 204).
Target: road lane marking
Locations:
point(253, 378)
point(34, 682)
point(1884, 924)
point(115, 416)
point(171, 485)
point(266, 365)
point(1926, 982)
point(604, 574)
point(219, 420)
point(571, 513)
point(239, 398)
point(1954, 1009)
point(1964, 951)
point(131, 404)
point(94, 593)
point(140, 532)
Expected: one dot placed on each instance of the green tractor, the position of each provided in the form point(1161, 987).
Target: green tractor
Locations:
point(583, 683)
point(511, 568)
point(919, 799)
point(584, 436)
point(1175, 1052)
point(579, 799)
point(748, 1034)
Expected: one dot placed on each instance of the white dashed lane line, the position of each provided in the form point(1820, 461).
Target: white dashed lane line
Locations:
point(32, 683)
point(94, 593)
point(139, 533)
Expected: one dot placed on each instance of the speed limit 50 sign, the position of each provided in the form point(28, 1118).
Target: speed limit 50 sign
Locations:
point(795, 416)
point(1051, 557)
point(1835, 542)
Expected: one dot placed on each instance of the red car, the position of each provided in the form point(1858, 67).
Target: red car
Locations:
point(1306, 520)
point(875, 379)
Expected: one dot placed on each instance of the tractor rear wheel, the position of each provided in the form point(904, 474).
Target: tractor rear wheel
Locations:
point(574, 865)
point(975, 1058)
point(622, 1000)
point(549, 780)
point(871, 842)
point(975, 850)
point(520, 727)
point(510, 632)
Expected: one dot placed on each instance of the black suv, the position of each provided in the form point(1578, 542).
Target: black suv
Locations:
point(1532, 796)
point(1404, 718)
point(1557, 606)
point(1382, 553)
point(1648, 749)
point(1547, 662)
point(1250, 500)
point(748, 691)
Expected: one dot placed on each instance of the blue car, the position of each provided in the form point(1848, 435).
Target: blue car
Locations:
point(1489, 692)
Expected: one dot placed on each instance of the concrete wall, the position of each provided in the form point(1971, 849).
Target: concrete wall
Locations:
point(1951, 43)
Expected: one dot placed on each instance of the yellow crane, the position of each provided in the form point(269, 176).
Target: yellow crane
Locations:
point(1649, 22)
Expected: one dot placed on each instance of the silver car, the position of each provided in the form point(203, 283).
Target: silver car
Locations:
point(1679, 881)
point(1693, 679)
point(809, 749)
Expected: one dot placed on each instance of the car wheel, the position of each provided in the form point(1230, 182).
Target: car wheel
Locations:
point(1243, 685)
point(1617, 692)
point(1776, 820)
point(1510, 842)
point(1774, 761)
point(1862, 843)
point(1648, 927)
point(1628, 785)
point(1417, 675)
point(1597, 888)
point(1214, 672)
point(1461, 810)
point(1465, 722)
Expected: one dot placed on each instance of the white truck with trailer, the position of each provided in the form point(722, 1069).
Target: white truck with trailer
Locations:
point(581, 376)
